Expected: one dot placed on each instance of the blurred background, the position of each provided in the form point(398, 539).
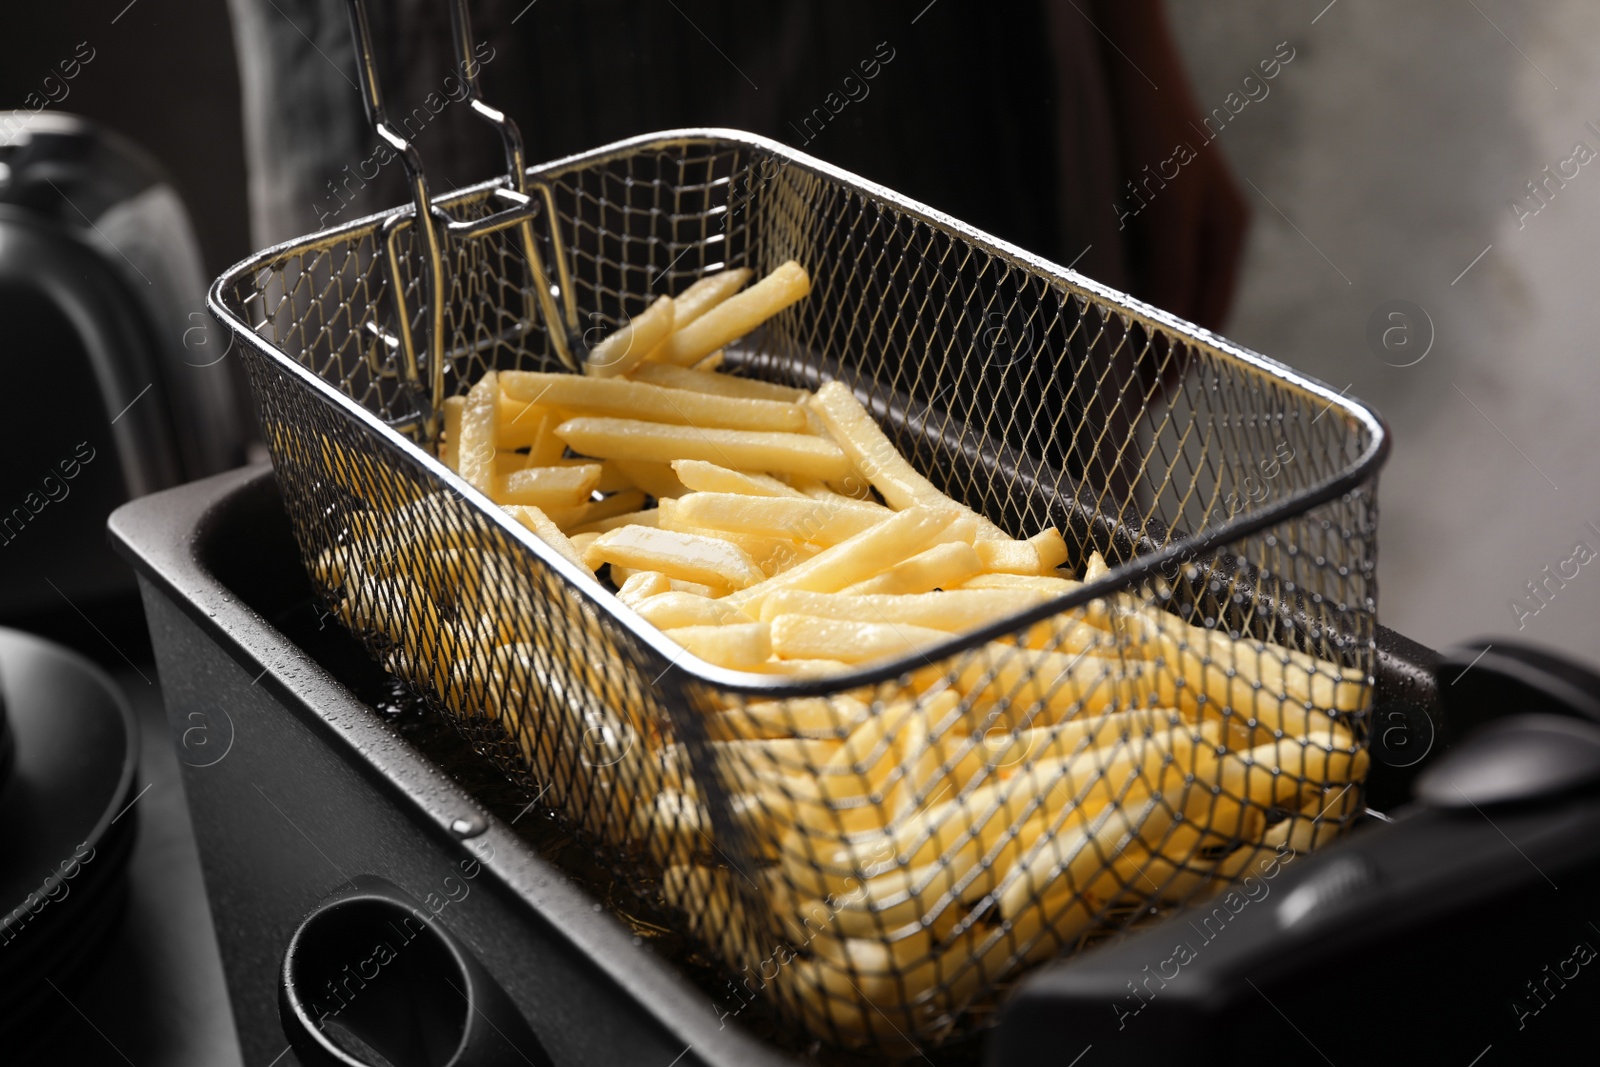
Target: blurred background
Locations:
point(1383, 161)
point(1421, 227)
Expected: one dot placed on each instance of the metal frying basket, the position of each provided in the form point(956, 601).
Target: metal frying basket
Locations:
point(879, 885)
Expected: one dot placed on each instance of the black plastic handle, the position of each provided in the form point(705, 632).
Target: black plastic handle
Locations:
point(372, 978)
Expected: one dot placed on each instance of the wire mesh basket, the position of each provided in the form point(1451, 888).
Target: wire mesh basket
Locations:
point(876, 853)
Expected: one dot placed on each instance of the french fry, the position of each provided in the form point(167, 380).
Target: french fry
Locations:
point(540, 525)
point(952, 612)
point(657, 479)
point(625, 502)
point(650, 517)
point(943, 566)
point(672, 610)
point(802, 717)
point(809, 637)
point(772, 554)
point(710, 363)
point(548, 486)
point(633, 440)
point(531, 426)
point(1052, 585)
point(612, 480)
point(735, 645)
point(696, 559)
point(694, 381)
point(797, 518)
point(620, 575)
point(1039, 555)
point(737, 315)
point(804, 668)
point(475, 450)
point(1008, 557)
point(905, 534)
point(1076, 857)
point(450, 446)
point(876, 457)
point(625, 349)
point(1052, 549)
point(640, 586)
point(1272, 774)
point(653, 403)
point(706, 294)
point(706, 477)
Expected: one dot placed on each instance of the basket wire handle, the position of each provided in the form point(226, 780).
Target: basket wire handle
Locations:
point(435, 228)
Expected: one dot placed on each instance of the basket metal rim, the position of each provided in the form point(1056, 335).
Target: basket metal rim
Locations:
point(768, 686)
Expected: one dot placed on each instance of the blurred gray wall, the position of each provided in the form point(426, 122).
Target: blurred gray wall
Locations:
point(1391, 149)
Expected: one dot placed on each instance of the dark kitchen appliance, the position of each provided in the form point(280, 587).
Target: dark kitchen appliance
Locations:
point(1463, 932)
point(297, 785)
point(101, 306)
point(355, 337)
point(1232, 500)
point(309, 772)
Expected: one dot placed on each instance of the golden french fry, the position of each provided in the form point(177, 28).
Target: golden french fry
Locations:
point(626, 348)
point(1077, 856)
point(1046, 584)
point(673, 610)
point(733, 645)
point(657, 479)
point(798, 518)
point(952, 612)
point(737, 315)
point(1233, 678)
point(850, 561)
point(648, 517)
point(670, 377)
point(1008, 751)
point(548, 486)
point(540, 525)
point(507, 462)
point(1041, 688)
point(623, 502)
point(707, 293)
point(801, 717)
point(653, 403)
point(638, 587)
point(479, 417)
point(1272, 774)
point(751, 763)
point(771, 554)
point(634, 440)
point(803, 668)
point(531, 426)
point(706, 560)
point(809, 637)
point(940, 567)
point(1008, 557)
point(612, 480)
point(450, 445)
point(877, 458)
point(1052, 549)
point(706, 477)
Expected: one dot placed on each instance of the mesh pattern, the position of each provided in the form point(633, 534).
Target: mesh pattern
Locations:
point(877, 854)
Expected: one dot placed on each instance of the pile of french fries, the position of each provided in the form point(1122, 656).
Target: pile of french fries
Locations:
point(907, 844)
